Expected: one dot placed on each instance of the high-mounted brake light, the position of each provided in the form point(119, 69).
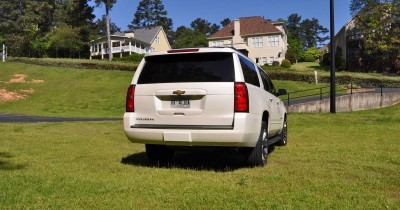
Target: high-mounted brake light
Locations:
point(241, 97)
point(183, 50)
point(130, 99)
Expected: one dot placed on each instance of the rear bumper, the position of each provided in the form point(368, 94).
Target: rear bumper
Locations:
point(244, 133)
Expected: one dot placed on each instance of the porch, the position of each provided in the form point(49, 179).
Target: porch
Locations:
point(119, 47)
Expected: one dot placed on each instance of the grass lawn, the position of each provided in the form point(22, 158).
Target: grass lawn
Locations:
point(341, 161)
point(78, 92)
point(325, 70)
point(57, 91)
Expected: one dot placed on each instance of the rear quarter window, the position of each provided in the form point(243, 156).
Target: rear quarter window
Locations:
point(249, 72)
point(193, 67)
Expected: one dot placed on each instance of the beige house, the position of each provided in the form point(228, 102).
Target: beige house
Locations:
point(351, 40)
point(262, 40)
point(137, 41)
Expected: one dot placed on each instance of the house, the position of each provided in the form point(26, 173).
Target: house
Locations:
point(137, 41)
point(350, 41)
point(261, 40)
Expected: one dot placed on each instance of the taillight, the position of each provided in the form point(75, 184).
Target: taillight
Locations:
point(130, 99)
point(241, 97)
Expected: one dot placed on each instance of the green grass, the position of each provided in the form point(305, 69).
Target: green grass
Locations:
point(341, 161)
point(325, 70)
point(306, 89)
point(78, 63)
point(305, 72)
point(81, 92)
point(66, 91)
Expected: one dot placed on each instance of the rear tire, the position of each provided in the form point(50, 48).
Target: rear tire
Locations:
point(258, 155)
point(283, 135)
point(159, 153)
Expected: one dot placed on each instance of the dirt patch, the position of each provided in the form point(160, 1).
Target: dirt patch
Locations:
point(37, 81)
point(18, 78)
point(21, 78)
point(6, 95)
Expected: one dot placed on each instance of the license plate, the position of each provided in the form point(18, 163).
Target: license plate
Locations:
point(185, 104)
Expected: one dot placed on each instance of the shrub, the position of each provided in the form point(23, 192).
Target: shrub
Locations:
point(340, 79)
point(286, 64)
point(326, 59)
point(309, 58)
point(275, 63)
point(131, 58)
point(311, 54)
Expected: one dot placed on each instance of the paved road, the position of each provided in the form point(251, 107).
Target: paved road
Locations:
point(12, 118)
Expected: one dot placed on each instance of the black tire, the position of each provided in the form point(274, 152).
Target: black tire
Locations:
point(159, 153)
point(283, 136)
point(258, 155)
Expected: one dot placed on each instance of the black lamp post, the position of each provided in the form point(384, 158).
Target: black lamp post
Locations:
point(332, 50)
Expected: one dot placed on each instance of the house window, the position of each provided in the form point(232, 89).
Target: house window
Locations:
point(264, 60)
point(271, 60)
point(273, 41)
point(158, 40)
point(257, 41)
point(218, 43)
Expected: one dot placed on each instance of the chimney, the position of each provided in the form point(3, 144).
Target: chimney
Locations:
point(237, 27)
point(236, 36)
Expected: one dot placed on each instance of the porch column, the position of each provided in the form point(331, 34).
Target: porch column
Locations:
point(135, 47)
point(120, 49)
point(130, 47)
point(102, 51)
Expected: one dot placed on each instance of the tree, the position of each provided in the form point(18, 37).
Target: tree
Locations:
point(293, 25)
point(108, 4)
point(203, 26)
point(66, 40)
point(101, 27)
point(23, 23)
point(379, 23)
point(225, 22)
point(310, 31)
point(357, 5)
point(151, 13)
point(189, 38)
point(295, 51)
point(339, 59)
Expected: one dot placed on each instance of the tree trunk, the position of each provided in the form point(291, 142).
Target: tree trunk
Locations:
point(110, 56)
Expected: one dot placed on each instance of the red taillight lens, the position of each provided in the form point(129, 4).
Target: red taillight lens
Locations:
point(130, 99)
point(241, 97)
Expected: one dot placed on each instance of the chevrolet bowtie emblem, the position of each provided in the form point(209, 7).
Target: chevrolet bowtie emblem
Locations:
point(178, 92)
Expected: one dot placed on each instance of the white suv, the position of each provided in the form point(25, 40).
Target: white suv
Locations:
point(204, 97)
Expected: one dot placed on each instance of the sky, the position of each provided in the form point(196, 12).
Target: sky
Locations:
point(183, 12)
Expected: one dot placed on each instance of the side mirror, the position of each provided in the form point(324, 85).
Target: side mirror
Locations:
point(281, 92)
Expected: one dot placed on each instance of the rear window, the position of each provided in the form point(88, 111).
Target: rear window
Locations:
point(196, 67)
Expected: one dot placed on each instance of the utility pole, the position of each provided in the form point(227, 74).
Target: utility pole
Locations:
point(4, 53)
point(332, 51)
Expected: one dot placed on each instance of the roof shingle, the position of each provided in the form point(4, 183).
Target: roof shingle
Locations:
point(248, 26)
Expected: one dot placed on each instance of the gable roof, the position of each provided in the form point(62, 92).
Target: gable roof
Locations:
point(146, 35)
point(248, 26)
